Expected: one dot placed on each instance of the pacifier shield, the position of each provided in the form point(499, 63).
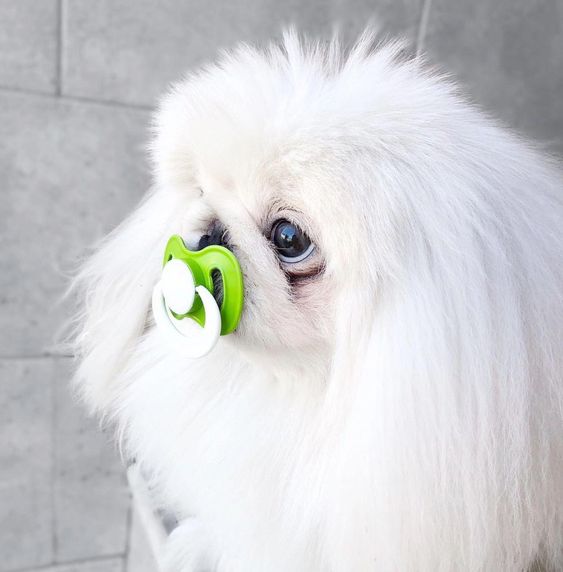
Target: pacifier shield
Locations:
point(183, 304)
point(202, 264)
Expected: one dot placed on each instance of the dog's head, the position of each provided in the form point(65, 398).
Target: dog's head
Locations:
point(359, 193)
point(302, 161)
point(285, 159)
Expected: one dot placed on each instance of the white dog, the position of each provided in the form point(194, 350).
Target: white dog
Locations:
point(392, 398)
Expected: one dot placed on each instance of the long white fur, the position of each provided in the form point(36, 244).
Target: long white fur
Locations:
point(404, 413)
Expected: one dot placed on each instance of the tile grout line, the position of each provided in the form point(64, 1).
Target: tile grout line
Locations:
point(45, 355)
point(54, 468)
point(54, 406)
point(129, 530)
point(423, 27)
point(60, 48)
point(79, 562)
point(75, 99)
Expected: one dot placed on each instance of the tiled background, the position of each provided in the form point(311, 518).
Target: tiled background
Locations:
point(77, 81)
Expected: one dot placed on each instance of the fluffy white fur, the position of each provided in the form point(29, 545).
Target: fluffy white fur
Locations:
point(402, 411)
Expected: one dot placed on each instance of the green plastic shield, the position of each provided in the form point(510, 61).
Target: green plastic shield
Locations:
point(203, 263)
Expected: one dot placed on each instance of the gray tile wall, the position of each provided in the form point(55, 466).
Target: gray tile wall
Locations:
point(77, 81)
point(509, 56)
point(63, 495)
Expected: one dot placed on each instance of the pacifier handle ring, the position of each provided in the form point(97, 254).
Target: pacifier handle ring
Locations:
point(199, 341)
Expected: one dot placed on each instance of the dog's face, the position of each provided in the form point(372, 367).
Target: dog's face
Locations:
point(273, 223)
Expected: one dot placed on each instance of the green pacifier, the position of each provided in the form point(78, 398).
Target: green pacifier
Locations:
point(184, 300)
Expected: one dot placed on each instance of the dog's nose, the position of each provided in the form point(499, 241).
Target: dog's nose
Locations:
point(216, 234)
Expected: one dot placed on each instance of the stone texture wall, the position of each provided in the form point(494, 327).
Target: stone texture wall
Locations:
point(78, 79)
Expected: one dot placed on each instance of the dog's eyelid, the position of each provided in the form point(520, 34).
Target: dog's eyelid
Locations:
point(279, 211)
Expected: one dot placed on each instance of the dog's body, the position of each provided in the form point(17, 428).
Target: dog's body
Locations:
point(393, 403)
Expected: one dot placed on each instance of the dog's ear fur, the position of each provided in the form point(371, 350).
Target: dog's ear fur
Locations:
point(456, 371)
point(113, 289)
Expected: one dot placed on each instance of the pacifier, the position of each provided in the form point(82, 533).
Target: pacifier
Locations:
point(183, 302)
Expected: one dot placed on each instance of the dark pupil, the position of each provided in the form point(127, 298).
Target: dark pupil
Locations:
point(290, 240)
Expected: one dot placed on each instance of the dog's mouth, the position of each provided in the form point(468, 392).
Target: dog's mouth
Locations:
point(218, 289)
point(216, 234)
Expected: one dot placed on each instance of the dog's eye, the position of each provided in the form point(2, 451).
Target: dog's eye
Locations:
point(291, 243)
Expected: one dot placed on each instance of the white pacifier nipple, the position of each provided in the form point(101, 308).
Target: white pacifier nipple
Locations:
point(176, 293)
point(178, 286)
